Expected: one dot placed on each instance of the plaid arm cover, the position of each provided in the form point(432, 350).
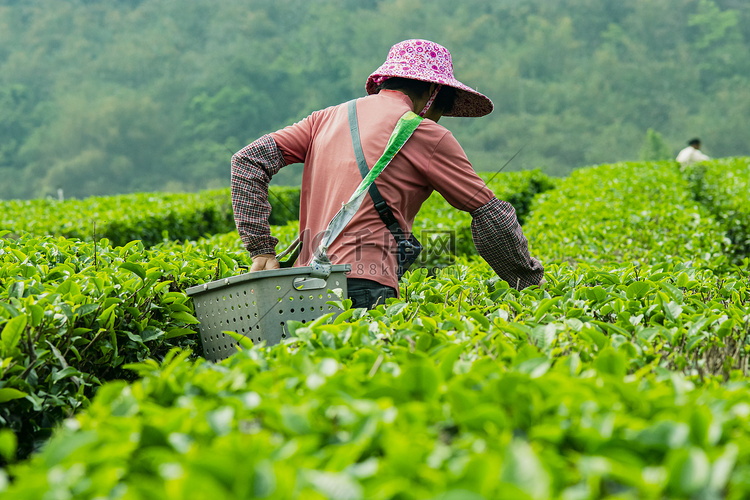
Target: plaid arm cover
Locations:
point(500, 241)
point(252, 169)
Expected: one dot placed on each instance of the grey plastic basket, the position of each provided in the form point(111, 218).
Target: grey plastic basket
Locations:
point(258, 305)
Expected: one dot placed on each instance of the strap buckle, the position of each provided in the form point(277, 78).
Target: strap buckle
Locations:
point(385, 212)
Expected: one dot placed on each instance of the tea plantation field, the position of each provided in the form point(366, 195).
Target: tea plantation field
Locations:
point(624, 376)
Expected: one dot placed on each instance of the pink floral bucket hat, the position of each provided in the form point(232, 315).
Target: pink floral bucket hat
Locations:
point(429, 62)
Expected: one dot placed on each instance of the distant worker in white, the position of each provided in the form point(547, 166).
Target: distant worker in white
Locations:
point(691, 154)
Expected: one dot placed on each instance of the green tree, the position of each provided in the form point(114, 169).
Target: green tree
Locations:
point(717, 44)
point(123, 133)
point(17, 120)
point(655, 148)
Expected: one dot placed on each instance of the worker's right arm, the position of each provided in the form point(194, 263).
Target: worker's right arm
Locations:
point(500, 241)
point(495, 230)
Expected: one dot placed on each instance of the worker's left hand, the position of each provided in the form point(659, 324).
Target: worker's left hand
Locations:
point(264, 262)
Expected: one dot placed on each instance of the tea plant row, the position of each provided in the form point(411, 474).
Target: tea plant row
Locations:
point(149, 217)
point(625, 213)
point(723, 185)
point(153, 218)
point(625, 375)
point(465, 389)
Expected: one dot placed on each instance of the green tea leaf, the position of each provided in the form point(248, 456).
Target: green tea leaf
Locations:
point(675, 292)
point(693, 472)
point(334, 486)
point(523, 469)
point(136, 268)
point(8, 393)
point(8, 445)
point(421, 380)
point(12, 331)
point(545, 306)
point(612, 362)
point(637, 290)
point(479, 318)
point(175, 332)
point(185, 317)
point(673, 310)
point(534, 367)
point(244, 342)
point(37, 314)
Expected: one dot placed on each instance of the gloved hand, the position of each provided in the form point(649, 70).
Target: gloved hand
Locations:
point(264, 262)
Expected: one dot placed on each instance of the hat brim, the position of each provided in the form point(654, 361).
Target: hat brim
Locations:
point(469, 103)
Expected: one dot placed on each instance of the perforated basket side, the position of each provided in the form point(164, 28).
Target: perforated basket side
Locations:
point(259, 308)
point(231, 308)
point(283, 303)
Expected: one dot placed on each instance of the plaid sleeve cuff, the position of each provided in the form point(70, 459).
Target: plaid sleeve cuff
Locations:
point(252, 169)
point(500, 241)
point(268, 250)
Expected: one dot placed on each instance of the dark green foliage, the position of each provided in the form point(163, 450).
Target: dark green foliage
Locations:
point(520, 196)
point(17, 121)
point(101, 98)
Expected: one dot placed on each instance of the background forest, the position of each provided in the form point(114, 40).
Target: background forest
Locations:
point(105, 97)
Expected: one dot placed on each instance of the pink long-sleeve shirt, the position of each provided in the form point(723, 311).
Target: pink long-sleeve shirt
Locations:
point(431, 160)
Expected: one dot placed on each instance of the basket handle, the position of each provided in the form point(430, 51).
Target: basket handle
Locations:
point(309, 283)
point(292, 250)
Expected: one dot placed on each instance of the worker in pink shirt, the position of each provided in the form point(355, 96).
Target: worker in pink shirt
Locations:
point(418, 76)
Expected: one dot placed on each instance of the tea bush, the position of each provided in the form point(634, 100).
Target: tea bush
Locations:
point(723, 186)
point(149, 217)
point(72, 313)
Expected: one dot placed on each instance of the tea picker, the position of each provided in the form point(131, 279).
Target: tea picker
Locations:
point(416, 77)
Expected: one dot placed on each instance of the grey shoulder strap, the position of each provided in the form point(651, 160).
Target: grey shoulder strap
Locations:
point(385, 212)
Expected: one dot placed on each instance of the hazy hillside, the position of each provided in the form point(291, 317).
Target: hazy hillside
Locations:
point(103, 97)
